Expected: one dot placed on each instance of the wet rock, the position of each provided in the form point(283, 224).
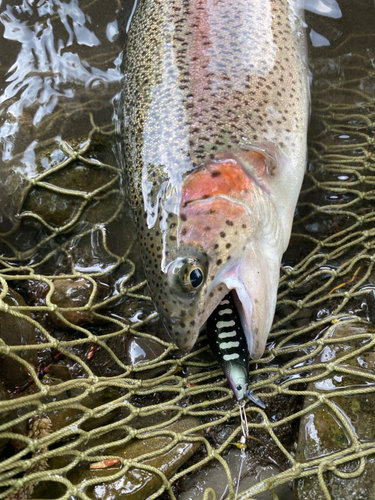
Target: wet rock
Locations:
point(214, 476)
point(16, 331)
point(101, 402)
point(55, 209)
point(133, 311)
point(58, 209)
point(71, 293)
point(142, 350)
point(47, 490)
point(98, 405)
point(109, 442)
point(138, 484)
point(74, 293)
point(159, 419)
point(361, 487)
point(333, 428)
point(61, 188)
point(103, 405)
point(89, 254)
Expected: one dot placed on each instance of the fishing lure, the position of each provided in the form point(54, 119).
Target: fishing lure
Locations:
point(228, 344)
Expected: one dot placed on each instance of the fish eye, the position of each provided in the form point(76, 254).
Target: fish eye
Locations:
point(192, 277)
point(239, 387)
point(187, 275)
point(196, 277)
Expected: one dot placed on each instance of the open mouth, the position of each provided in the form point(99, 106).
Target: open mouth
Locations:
point(244, 306)
point(228, 344)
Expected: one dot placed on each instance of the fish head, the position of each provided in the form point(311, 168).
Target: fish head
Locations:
point(206, 85)
point(227, 238)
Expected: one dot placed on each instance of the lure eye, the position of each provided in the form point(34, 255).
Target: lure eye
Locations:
point(239, 387)
point(196, 277)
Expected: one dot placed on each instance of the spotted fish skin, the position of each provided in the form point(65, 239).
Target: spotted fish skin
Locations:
point(215, 110)
point(228, 344)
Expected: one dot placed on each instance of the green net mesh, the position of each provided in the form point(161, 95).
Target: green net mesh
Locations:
point(97, 403)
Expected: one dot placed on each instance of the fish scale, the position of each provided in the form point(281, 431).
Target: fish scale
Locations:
point(215, 109)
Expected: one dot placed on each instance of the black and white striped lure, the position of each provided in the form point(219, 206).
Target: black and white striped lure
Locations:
point(228, 344)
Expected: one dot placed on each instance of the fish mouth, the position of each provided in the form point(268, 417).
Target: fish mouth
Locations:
point(253, 282)
point(244, 308)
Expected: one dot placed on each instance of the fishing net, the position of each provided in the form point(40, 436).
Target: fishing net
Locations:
point(95, 400)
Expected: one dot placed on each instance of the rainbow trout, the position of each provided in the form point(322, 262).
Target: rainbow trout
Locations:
point(215, 110)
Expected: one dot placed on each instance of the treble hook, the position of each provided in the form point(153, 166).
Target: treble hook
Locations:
point(254, 398)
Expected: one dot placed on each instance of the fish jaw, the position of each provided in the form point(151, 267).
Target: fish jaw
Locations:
point(253, 280)
point(252, 276)
point(254, 283)
point(200, 310)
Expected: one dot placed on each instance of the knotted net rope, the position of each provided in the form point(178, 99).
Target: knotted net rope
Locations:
point(81, 400)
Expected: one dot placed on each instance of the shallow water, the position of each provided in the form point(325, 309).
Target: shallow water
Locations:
point(60, 77)
point(58, 56)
